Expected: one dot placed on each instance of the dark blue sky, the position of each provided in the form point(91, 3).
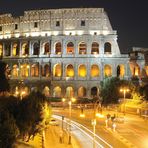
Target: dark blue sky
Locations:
point(128, 17)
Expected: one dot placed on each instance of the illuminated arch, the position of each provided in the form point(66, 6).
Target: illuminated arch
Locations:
point(69, 92)
point(57, 70)
point(120, 70)
point(58, 48)
point(95, 72)
point(36, 48)
point(47, 48)
point(70, 48)
point(107, 71)
point(70, 71)
point(82, 48)
point(94, 91)
point(24, 70)
point(15, 71)
point(25, 49)
point(46, 91)
point(57, 91)
point(15, 49)
point(146, 69)
point(35, 70)
point(82, 71)
point(1, 50)
point(107, 48)
point(95, 48)
point(82, 92)
point(46, 71)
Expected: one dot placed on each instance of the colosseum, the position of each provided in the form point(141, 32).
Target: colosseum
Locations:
point(63, 52)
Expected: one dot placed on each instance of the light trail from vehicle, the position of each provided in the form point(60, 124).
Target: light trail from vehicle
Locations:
point(102, 143)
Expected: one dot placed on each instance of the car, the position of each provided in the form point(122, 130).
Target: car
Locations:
point(53, 122)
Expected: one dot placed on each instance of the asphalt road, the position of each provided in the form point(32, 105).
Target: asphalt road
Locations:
point(132, 133)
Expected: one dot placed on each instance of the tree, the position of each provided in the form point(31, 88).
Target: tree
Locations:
point(110, 89)
point(8, 129)
point(33, 113)
point(4, 75)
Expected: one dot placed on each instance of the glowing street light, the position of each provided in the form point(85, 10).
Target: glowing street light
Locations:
point(124, 90)
point(69, 129)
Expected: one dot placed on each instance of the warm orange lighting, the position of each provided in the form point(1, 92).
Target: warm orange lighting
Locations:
point(82, 115)
point(99, 115)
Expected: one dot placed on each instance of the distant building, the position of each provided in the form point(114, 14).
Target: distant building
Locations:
point(64, 52)
point(139, 64)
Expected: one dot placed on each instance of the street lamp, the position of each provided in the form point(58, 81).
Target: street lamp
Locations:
point(124, 90)
point(69, 129)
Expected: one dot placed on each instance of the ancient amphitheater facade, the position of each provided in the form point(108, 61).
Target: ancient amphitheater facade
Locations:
point(64, 52)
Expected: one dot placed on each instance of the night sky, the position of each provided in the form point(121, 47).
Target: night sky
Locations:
point(128, 17)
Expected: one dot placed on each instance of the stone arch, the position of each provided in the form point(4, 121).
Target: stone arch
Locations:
point(69, 92)
point(82, 92)
point(25, 49)
point(46, 91)
point(82, 72)
point(36, 48)
point(24, 70)
point(46, 70)
point(15, 49)
point(1, 50)
point(57, 91)
point(120, 70)
point(35, 70)
point(69, 70)
point(15, 70)
point(57, 70)
point(70, 48)
point(47, 49)
point(107, 70)
point(95, 72)
point(82, 48)
point(94, 91)
point(95, 48)
point(7, 49)
point(107, 48)
point(58, 48)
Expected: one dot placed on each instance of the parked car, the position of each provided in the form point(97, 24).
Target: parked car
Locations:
point(53, 122)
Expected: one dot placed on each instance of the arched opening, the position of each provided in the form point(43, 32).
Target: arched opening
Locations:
point(46, 71)
point(120, 71)
point(70, 48)
point(57, 70)
point(36, 48)
point(57, 92)
point(95, 48)
point(107, 71)
point(58, 48)
point(1, 50)
point(95, 72)
point(7, 49)
point(46, 91)
point(15, 71)
point(146, 69)
point(25, 49)
point(15, 50)
point(24, 70)
point(82, 48)
point(35, 70)
point(94, 92)
point(107, 48)
point(46, 48)
point(82, 92)
point(136, 70)
point(70, 71)
point(69, 92)
point(82, 71)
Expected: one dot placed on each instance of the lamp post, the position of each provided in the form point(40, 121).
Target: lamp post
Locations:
point(69, 129)
point(124, 90)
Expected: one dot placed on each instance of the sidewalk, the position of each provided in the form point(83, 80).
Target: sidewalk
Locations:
point(52, 140)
